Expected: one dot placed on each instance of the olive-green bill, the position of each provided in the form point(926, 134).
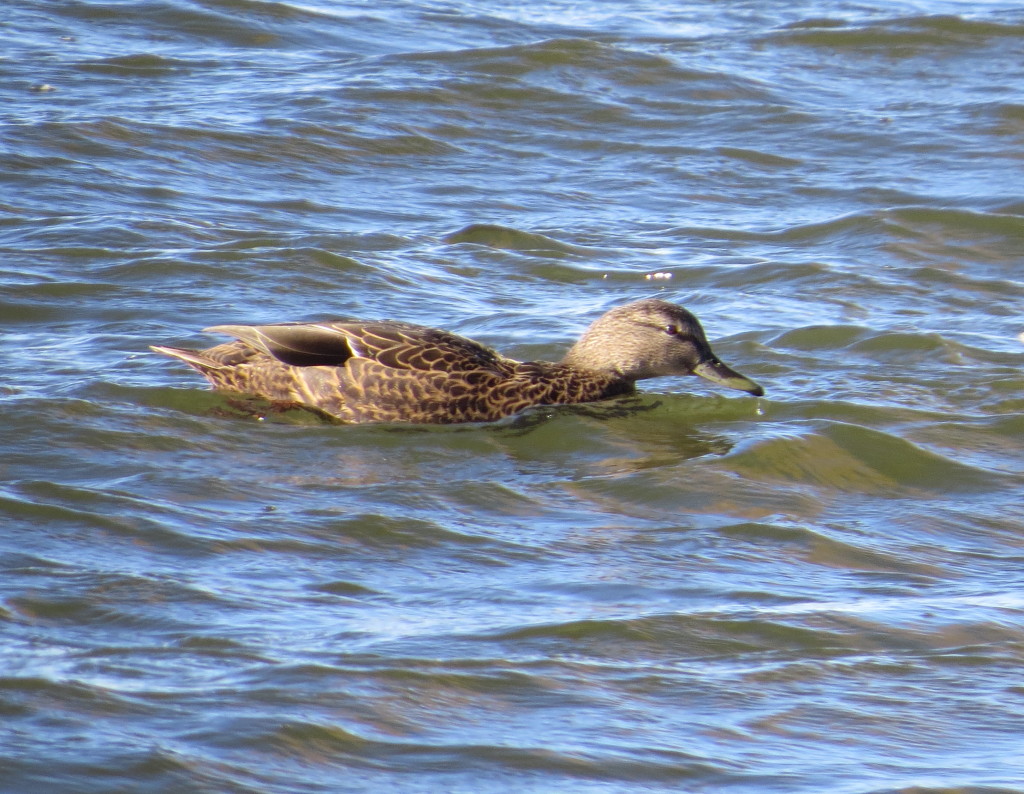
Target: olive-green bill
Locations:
point(715, 371)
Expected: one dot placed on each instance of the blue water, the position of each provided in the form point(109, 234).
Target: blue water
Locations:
point(691, 590)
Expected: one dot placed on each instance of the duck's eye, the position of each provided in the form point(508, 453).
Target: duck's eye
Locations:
point(671, 330)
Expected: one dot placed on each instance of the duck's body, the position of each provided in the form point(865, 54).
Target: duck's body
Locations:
point(397, 372)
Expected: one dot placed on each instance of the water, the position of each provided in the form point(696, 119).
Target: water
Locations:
point(696, 591)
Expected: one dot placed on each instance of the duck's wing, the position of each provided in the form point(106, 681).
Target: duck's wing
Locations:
point(394, 345)
point(370, 372)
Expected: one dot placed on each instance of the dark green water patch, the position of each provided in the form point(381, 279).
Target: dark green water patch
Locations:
point(851, 458)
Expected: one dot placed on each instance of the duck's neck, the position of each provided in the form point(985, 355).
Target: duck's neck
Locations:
point(576, 359)
point(582, 359)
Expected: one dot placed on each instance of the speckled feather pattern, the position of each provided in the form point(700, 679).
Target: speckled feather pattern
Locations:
point(403, 373)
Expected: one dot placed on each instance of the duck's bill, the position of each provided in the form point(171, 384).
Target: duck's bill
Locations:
point(716, 372)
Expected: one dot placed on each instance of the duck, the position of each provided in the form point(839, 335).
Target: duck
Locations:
point(365, 372)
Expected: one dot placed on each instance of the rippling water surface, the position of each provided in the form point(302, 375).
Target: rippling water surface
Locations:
point(820, 590)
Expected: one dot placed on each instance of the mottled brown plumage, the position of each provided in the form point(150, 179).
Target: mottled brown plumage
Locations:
point(398, 372)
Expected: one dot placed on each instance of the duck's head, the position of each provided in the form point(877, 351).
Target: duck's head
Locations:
point(650, 339)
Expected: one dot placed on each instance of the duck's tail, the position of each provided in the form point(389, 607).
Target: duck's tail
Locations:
point(194, 358)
